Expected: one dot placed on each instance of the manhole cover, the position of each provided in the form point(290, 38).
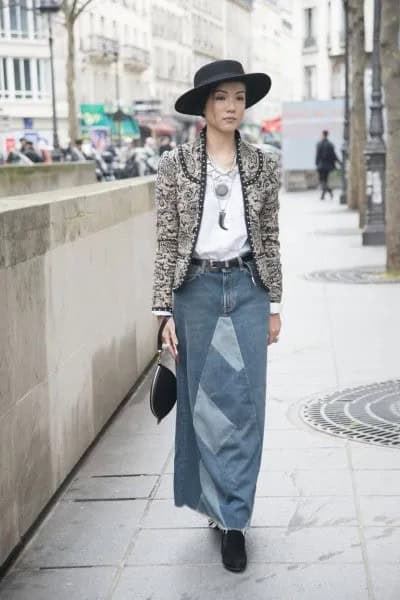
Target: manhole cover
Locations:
point(353, 275)
point(338, 231)
point(368, 414)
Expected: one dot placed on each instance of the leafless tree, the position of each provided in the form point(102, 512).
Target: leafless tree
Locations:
point(72, 10)
point(356, 197)
point(390, 57)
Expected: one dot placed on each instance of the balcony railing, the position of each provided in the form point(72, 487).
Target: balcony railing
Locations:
point(101, 48)
point(134, 58)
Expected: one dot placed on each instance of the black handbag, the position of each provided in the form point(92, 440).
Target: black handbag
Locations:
point(163, 386)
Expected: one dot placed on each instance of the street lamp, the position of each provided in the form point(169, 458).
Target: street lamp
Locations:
point(346, 123)
point(375, 151)
point(49, 7)
point(118, 115)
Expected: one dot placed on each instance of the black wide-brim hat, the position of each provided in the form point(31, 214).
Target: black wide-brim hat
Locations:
point(208, 76)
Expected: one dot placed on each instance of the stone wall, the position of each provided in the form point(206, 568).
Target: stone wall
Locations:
point(295, 181)
point(76, 331)
point(27, 179)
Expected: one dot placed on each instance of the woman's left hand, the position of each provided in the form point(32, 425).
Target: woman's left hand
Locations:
point(274, 328)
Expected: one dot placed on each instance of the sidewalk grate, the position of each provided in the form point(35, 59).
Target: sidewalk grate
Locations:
point(364, 275)
point(368, 414)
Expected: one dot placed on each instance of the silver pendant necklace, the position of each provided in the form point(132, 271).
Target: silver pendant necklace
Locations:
point(222, 190)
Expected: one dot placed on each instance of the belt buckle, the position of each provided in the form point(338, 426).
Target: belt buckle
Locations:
point(212, 266)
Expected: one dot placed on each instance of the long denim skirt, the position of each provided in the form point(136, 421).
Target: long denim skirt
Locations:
point(221, 320)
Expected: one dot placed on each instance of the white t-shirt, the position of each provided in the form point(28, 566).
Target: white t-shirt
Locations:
point(214, 242)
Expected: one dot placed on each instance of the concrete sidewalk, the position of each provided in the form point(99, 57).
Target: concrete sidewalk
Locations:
point(327, 514)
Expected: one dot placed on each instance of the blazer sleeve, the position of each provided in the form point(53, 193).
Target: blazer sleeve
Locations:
point(269, 225)
point(167, 233)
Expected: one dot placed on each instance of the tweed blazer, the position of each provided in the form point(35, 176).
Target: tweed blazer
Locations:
point(180, 192)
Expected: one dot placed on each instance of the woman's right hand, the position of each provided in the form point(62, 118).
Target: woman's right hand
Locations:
point(169, 336)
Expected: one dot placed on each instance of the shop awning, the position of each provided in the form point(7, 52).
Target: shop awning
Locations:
point(272, 125)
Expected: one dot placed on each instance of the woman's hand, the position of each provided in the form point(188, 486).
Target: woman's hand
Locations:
point(169, 336)
point(274, 328)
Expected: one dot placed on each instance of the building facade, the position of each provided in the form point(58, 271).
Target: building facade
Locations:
point(135, 52)
point(25, 98)
point(320, 47)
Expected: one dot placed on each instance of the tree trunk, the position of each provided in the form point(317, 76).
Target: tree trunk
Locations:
point(73, 127)
point(390, 56)
point(356, 198)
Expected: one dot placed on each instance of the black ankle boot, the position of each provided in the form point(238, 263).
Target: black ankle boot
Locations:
point(233, 550)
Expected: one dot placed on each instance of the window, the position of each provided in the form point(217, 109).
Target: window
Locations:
point(309, 27)
point(23, 78)
point(4, 89)
point(338, 81)
point(309, 14)
point(38, 25)
point(310, 82)
point(19, 19)
point(2, 24)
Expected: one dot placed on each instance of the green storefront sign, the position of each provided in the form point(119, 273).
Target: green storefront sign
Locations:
point(95, 116)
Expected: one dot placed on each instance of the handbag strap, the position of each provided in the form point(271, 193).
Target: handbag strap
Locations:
point(160, 331)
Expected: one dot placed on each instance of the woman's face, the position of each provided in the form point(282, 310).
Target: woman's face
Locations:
point(225, 106)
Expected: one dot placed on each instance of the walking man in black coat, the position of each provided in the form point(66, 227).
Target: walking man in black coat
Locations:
point(325, 161)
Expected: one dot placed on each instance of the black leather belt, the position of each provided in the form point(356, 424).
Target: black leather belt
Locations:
point(222, 264)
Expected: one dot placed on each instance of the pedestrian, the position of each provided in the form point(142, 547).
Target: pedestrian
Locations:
point(218, 277)
point(31, 153)
point(77, 154)
point(325, 161)
point(165, 145)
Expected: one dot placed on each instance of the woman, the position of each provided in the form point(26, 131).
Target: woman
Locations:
point(218, 274)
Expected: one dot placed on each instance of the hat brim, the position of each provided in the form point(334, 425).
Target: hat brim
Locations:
point(193, 101)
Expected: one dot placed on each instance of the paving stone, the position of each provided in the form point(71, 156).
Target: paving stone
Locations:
point(163, 513)
point(176, 546)
point(165, 488)
point(297, 513)
point(129, 455)
point(84, 534)
point(277, 582)
point(293, 438)
point(304, 483)
point(385, 581)
point(378, 483)
point(303, 458)
point(258, 582)
point(380, 510)
point(278, 419)
point(115, 488)
point(136, 418)
point(265, 545)
point(374, 457)
point(308, 544)
point(169, 467)
point(383, 545)
point(58, 584)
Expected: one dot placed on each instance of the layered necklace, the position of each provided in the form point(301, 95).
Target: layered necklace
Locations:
point(222, 184)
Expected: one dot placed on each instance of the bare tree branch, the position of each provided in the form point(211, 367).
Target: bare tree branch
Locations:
point(73, 8)
point(82, 8)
